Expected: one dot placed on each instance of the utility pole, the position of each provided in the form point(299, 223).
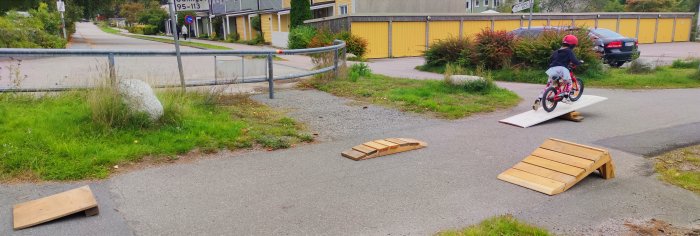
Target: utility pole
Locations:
point(61, 7)
point(173, 25)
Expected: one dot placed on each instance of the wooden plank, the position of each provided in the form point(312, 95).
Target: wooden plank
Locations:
point(353, 154)
point(387, 143)
point(563, 158)
point(408, 140)
point(547, 173)
point(49, 208)
point(553, 165)
point(573, 149)
point(397, 141)
point(374, 145)
point(364, 149)
point(572, 116)
point(531, 181)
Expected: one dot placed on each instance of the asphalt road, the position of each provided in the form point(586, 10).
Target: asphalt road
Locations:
point(312, 190)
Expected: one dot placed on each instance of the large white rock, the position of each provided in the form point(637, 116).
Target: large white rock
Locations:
point(459, 80)
point(139, 97)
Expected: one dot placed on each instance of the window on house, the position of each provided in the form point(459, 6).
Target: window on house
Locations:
point(476, 3)
point(343, 10)
point(486, 3)
point(496, 3)
point(468, 4)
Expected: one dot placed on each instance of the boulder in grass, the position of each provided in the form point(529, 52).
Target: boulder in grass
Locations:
point(460, 80)
point(139, 97)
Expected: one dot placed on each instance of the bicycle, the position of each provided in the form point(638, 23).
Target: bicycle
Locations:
point(555, 91)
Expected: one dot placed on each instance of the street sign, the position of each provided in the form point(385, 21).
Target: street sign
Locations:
point(191, 5)
point(522, 6)
point(189, 19)
point(61, 6)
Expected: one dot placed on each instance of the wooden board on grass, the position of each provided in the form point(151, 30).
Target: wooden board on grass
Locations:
point(557, 165)
point(49, 208)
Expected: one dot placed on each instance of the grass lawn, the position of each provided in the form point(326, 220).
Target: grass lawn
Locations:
point(107, 29)
point(681, 168)
point(663, 78)
point(500, 225)
point(56, 137)
point(436, 98)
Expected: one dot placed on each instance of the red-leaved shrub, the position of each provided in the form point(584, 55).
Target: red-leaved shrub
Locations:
point(493, 49)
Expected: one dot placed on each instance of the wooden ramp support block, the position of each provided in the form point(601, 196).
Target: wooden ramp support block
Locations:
point(382, 147)
point(46, 209)
point(557, 165)
point(572, 116)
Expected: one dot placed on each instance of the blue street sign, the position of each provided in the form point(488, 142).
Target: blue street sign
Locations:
point(189, 19)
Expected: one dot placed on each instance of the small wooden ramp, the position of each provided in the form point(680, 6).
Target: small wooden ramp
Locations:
point(530, 118)
point(557, 165)
point(382, 147)
point(46, 209)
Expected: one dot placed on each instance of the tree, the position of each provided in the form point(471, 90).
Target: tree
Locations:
point(301, 11)
point(650, 5)
point(154, 16)
point(131, 11)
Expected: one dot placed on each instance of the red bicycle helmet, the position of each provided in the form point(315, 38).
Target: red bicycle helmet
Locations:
point(570, 40)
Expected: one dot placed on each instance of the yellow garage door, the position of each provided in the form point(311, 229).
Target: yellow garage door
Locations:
point(560, 23)
point(408, 39)
point(443, 30)
point(646, 30)
point(665, 34)
point(587, 23)
point(507, 25)
point(535, 23)
point(628, 27)
point(610, 24)
point(377, 36)
point(472, 28)
point(682, 30)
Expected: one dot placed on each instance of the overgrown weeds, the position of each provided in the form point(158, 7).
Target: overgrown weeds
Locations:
point(54, 137)
point(500, 225)
point(691, 63)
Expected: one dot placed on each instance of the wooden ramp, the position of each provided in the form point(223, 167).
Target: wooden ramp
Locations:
point(46, 209)
point(557, 165)
point(382, 147)
point(530, 118)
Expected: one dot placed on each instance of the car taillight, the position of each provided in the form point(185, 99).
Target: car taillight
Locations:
point(636, 43)
point(614, 44)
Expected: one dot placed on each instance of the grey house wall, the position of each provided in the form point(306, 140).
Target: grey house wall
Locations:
point(410, 6)
point(231, 6)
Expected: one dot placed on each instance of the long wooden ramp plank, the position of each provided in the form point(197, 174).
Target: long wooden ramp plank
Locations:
point(382, 147)
point(530, 118)
point(46, 209)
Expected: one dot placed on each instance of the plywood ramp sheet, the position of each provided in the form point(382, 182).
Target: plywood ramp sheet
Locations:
point(46, 209)
point(557, 165)
point(382, 147)
point(530, 118)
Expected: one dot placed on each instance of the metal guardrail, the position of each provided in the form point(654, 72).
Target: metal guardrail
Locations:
point(110, 54)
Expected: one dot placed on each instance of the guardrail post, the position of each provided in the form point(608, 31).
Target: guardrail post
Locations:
point(112, 71)
point(216, 71)
point(335, 63)
point(271, 84)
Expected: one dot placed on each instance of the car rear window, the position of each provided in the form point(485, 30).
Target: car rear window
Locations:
point(606, 33)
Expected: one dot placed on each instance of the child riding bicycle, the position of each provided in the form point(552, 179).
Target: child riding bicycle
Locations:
point(559, 61)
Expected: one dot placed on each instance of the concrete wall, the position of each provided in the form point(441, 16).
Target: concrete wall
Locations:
point(410, 6)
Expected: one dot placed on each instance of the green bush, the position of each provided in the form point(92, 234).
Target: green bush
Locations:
point(353, 44)
point(451, 50)
point(150, 30)
point(232, 37)
point(299, 12)
point(300, 37)
point(155, 17)
point(40, 30)
point(535, 52)
point(135, 29)
point(493, 49)
point(361, 68)
point(686, 64)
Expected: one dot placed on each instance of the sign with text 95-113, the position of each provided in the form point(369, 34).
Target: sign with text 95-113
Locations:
point(191, 5)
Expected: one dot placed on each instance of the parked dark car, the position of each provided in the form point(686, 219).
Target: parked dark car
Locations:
point(614, 48)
